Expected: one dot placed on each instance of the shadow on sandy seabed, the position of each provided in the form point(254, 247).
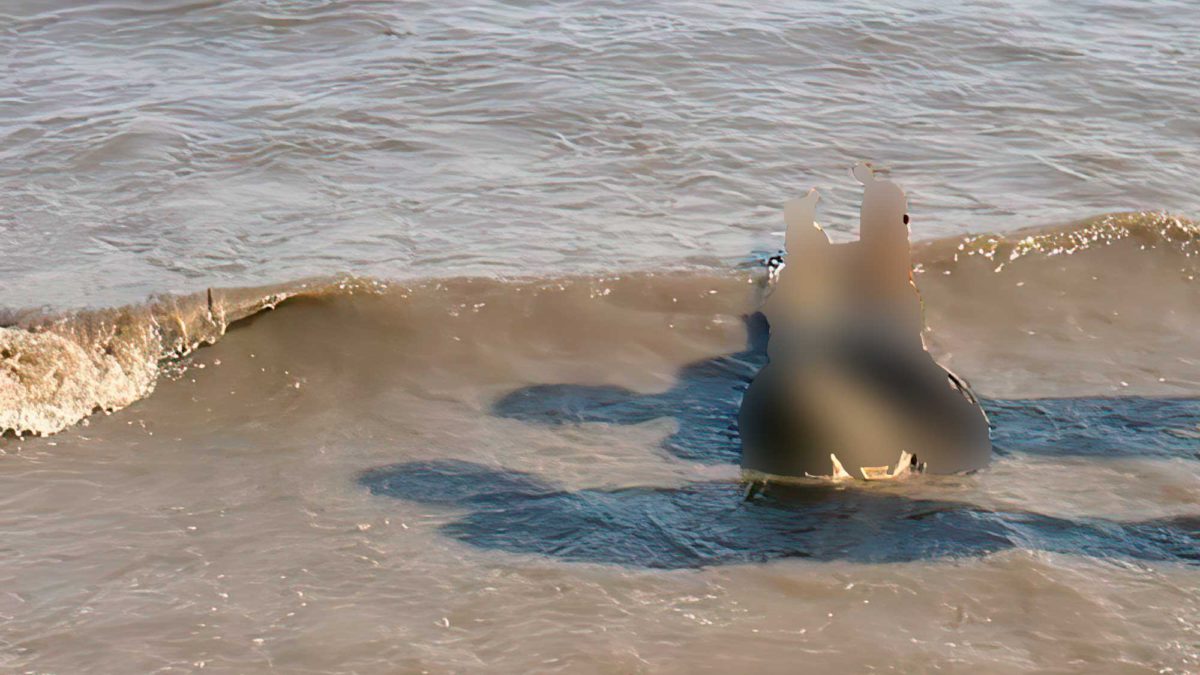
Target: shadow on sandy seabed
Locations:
point(704, 400)
point(707, 394)
point(704, 524)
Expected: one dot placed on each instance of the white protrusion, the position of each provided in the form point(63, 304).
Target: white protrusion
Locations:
point(839, 472)
point(903, 465)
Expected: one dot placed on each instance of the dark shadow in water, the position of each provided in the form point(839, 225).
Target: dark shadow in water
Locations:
point(705, 524)
point(707, 394)
point(1097, 427)
point(710, 524)
point(704, 401)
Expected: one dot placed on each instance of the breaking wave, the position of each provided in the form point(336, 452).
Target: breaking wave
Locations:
point(1110, 304)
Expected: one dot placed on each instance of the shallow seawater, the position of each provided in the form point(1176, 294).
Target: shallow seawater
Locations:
point(542, 475)
point(508, 442)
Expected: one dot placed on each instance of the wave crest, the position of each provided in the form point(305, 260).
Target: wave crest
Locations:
point(57, 370)
point(1040, 314)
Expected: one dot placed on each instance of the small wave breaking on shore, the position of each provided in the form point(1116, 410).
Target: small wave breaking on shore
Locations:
point(56, 370)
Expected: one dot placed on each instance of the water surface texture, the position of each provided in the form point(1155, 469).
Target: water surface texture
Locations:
point(410, 337)
point(169, 145)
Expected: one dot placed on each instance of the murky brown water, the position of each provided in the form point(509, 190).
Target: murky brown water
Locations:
point(517, 476)
point(535, 470)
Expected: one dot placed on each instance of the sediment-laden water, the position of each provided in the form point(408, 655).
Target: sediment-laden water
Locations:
point(383, 338)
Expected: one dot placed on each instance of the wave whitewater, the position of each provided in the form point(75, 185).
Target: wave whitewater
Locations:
point(57, 370)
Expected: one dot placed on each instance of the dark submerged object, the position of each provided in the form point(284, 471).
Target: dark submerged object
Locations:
point(849, 390)
point(886, 398)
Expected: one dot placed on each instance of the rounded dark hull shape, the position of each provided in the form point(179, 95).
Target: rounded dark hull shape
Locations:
point(865, 398)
